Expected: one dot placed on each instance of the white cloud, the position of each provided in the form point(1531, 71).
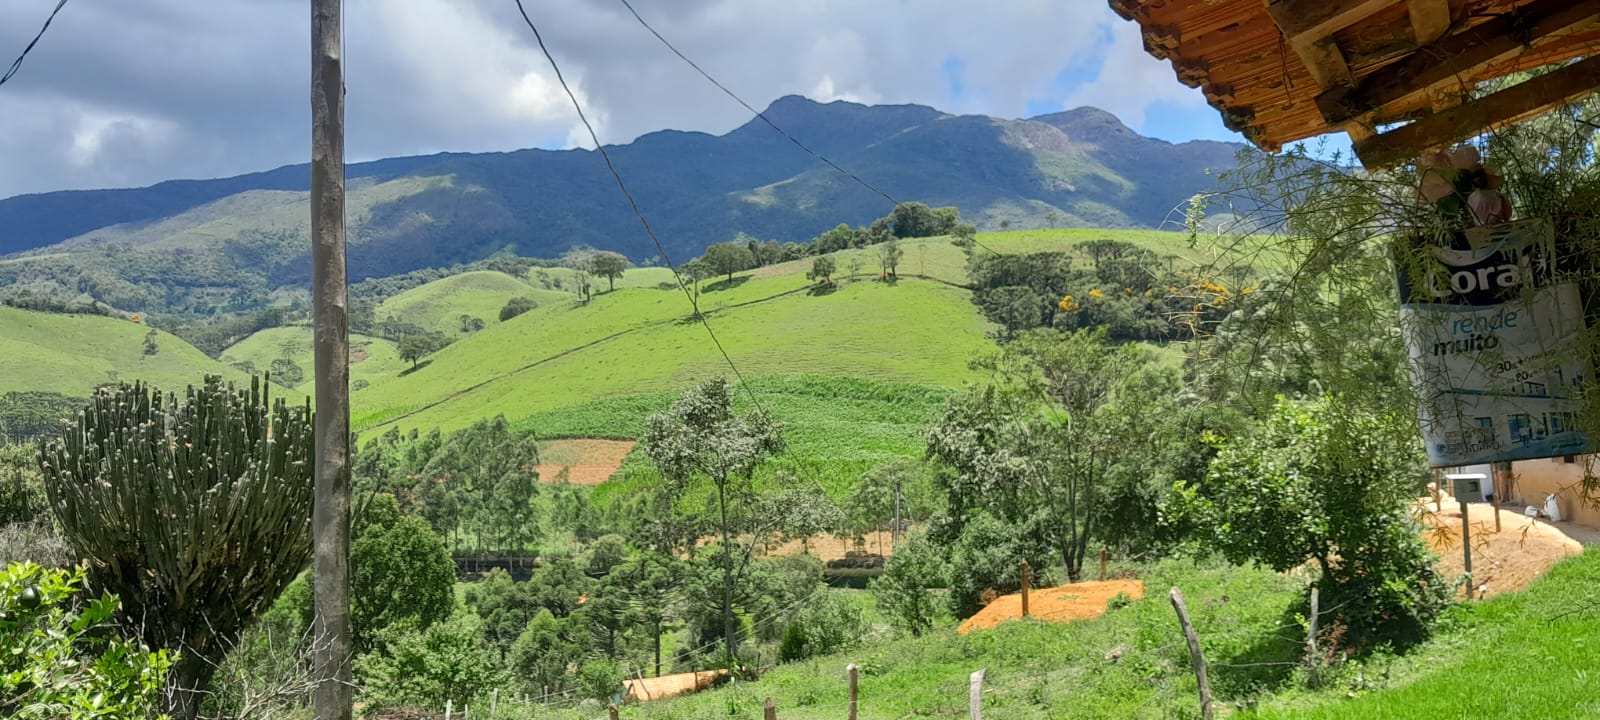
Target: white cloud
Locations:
point(1131, 80)
point(207, 89)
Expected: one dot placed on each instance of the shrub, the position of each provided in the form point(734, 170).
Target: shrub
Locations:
point(827, 623)
point(988, 557)
point(448, 662)
point(516, 306)
point(902, 591)
point(59, 663)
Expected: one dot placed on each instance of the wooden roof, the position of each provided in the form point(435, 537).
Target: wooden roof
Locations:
point(1286, 70)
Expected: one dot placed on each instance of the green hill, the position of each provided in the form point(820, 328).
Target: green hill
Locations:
point(71, 354)
point(371, 359)
point(481, 294)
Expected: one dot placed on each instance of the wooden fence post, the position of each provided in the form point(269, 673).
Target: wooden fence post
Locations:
point(1026, 580)
point(494, 702)
point(1195, 654)
point(770, 711)
point(1102, 562)
point(612, 711)
point(1312, 665)
point(850, 672)
point(449, 709)
point(975, 696)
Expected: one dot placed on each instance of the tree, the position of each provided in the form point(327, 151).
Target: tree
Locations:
point(1328, 481)
point(150, 344)
point(446, 663)
point(1005, 224)
point(581, 262)
point(1061, 425)
point(701, 440)
point(483, 477)
point(694, 272)
point(608, 265)
point(59, 663)
point(470, 324)
point(401, 573)
point(287, 373)
point(224, 469)
point(841, 237)
point(903, 590)
point(1051, 218)
point(728, 258)
point(822, 270)
point(516, 306)
point(416, 347)
point(889, 254)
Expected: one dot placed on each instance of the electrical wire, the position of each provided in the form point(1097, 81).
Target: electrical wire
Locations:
point(763, 116)
point(634, 204)
point(17, 64)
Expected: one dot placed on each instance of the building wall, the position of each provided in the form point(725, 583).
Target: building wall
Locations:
point(1535, 479)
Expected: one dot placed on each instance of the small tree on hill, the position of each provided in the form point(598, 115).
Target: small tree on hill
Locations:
point(889, 254)
point(416, 347)
point(728, 258)
point(608, 265)
point(822, 270)
point(202, 531)
point(401, 572)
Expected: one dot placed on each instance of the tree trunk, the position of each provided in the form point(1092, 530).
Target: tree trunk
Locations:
point(187, 683)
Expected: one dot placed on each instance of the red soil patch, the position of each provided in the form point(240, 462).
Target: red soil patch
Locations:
point(584, 461)
point(1064, 603)
point(1504, 561)
point(668, 685)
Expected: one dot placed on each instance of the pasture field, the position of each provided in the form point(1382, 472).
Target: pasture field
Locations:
point(71, 354)
point(440, 304)
point(371, 359)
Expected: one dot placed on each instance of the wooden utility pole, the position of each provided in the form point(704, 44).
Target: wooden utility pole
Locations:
point(1313, 665)
point(330, 517)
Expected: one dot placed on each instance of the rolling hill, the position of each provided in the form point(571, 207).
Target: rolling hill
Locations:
point(197, 246)
point(371, 359)
point(72, 354)
point(480, 294)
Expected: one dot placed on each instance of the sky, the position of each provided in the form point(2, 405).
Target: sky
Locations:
point(125, 93)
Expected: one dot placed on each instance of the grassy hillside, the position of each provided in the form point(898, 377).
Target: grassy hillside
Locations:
point(371, 359)
point(71, 354)
point(440, 304)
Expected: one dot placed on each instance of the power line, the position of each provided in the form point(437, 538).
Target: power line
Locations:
point(634, 204)
point(763, 116)
point(17, 64)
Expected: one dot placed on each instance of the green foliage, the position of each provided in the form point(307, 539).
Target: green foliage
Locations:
point(401, 573)
point(482, 480)
point(889, 255)
point(728, 258)
point(287, 372)
point(903, 591)
point(59, 664)
point(22, 497)
point(516, 306)
point(160, 493)
point(1327, 482)
point(985, 560)
point(1063, 431)
point(609, 265)
point(826, 623)
point(542, 654)
point(447, 662)
point(416, 347)
point(914, 220)
point(27, 415)
point(822, 270)
point(150, 347)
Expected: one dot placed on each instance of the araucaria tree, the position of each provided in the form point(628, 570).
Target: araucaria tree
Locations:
point(701, 440)
point(194, 511)
point(1059, 436)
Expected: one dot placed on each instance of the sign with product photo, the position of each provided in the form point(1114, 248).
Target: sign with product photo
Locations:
point(1493, 327)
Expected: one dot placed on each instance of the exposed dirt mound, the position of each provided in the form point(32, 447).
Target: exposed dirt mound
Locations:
point(1063, 603)
point(584, 461)
point(668, 685)
point(1503, 561)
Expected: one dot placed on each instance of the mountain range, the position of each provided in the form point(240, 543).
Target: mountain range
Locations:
point(1081, 168)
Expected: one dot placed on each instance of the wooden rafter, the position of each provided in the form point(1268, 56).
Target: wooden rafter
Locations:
point(1507, 106)
point(1430, 19)
point(1311, 20)
point(1456, 55)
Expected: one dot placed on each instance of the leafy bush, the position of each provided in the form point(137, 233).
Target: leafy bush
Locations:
point(903, 590)
point(828, 622)
point(401, 572)
point(1330, 482)
point(516, 306)
point(59, 663)
point(447, 662)
point(988, 558)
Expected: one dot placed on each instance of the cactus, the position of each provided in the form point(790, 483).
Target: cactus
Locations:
point(196, 513)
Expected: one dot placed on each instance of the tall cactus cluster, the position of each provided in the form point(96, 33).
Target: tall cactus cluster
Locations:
point(196, 511)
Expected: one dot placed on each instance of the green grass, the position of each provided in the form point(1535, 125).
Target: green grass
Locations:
point(372, 359)
point(1531, 654)
point(560, 279)
point(440, 304)
point(1159, 242)
point(914, 331)
point(71, 354)
point(1132, 663)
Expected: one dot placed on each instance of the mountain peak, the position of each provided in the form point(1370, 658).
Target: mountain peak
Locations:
point(1089, 124)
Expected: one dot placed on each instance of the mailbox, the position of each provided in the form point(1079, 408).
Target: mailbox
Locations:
point(1468, 488)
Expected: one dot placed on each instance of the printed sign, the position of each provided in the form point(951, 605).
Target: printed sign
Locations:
point(1493, 327)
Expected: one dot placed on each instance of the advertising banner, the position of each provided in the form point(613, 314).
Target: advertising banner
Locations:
point(1493, 327)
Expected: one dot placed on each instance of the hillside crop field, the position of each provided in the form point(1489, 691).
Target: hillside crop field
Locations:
point(481, 294)
point(71, 354)
point(371, 359)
